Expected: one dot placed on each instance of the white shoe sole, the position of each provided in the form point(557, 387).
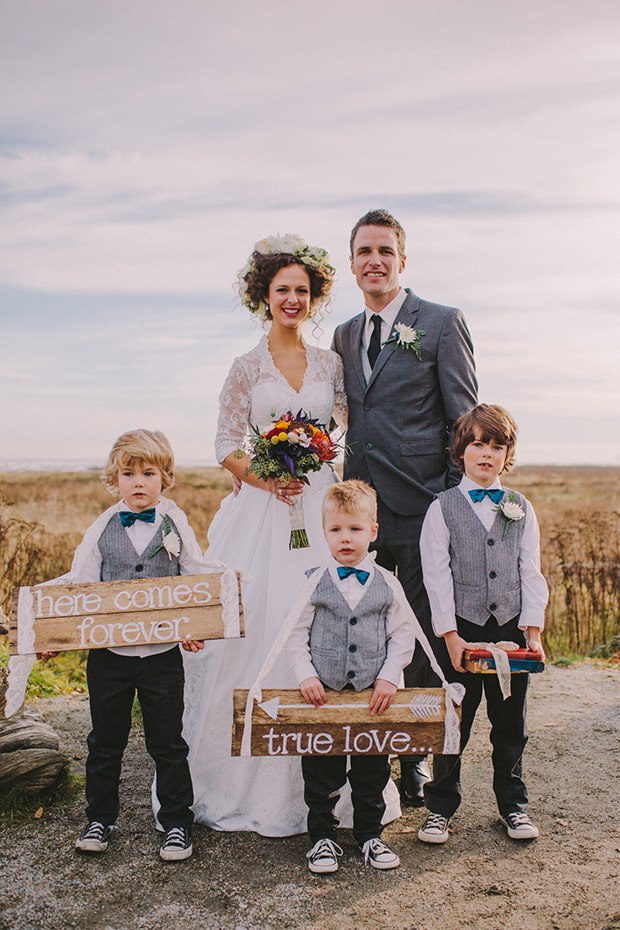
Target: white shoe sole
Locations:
point(323, 869)
point(90, 846)
point(433, 837)
point(385, 865)
point(93, 846)
point(175, 855)
point(527, 833)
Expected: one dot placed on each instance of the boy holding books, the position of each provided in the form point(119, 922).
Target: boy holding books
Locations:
point(480, 548)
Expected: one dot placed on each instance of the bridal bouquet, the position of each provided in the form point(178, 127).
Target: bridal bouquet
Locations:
point(294, 446)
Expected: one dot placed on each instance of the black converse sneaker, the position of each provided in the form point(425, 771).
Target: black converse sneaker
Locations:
point(94, 838)
point(323, 857)
point(177, 844)
point(434, 829)
point(519, 826)
point(379, 855)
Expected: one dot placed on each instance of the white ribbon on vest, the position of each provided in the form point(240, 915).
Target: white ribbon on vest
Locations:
point(21, 665)
point(455, 691)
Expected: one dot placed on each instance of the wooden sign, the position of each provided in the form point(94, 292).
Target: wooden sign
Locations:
point(284, 724)
point(520, 660)
point(125, 613)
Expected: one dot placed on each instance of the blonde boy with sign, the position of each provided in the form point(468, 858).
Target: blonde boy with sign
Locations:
point(143, 536)
point(356, 632)
point(481, 564)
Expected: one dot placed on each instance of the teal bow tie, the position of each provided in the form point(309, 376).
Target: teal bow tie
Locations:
point(345, 571)
point(128, 517)
point(495, 494)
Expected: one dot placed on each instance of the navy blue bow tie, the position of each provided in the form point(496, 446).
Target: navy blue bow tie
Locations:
point(128, 517)
point(345, 571)
point(495, 494)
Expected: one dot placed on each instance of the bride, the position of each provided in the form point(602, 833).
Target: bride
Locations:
point(284, 282)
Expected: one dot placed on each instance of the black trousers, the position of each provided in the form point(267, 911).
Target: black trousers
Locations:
point(508, 736)
point(325, 775)
point(398, 550)
point(113, 681)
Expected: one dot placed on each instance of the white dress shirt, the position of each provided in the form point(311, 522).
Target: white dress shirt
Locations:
point(140, 535)
point(398, 626)
point(388, 317)
point(435, 554)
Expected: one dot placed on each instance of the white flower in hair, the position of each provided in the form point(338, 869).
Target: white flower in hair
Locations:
point(290, 244)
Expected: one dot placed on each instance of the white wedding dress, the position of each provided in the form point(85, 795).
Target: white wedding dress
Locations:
point(250, 532)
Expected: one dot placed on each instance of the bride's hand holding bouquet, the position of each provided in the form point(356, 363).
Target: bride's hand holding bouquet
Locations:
point(287, 452)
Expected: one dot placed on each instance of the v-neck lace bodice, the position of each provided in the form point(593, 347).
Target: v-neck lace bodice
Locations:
point(255, 392)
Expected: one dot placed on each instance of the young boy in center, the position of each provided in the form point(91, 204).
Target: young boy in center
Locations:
point(143, 536)
point(481, 564)
point(356, 632)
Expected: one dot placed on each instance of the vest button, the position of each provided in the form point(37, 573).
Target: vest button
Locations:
point(350, 674)
point(352, 648)
point(367, 406)
point(369, 445)
point(492, 574)
point(490, 542)
point(139, 568)
point(492, 607)
point(353, 621)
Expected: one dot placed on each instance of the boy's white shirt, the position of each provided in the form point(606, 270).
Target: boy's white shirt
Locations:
point(87, 566)
point(399, 623)
point(435, 556)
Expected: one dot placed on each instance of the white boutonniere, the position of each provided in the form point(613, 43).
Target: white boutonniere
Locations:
point(406, 337)
point(510, 511)
point(169, 541)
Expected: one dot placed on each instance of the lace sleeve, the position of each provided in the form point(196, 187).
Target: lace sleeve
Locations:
point(235, 401)
point(341, 410)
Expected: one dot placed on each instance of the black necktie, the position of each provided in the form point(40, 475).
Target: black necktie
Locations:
point(374, 346)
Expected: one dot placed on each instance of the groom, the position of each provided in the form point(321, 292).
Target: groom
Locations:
point(405, 388)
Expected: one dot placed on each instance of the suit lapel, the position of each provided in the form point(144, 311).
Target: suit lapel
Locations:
point(408, 315)
point(355, 341)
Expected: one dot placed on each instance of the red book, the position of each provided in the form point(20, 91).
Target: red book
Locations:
point(520, 660)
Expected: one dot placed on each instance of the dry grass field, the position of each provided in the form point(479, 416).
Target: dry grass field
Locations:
point(43, 516)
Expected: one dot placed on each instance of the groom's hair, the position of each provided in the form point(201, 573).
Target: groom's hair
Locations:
point(353, 496)
point(380, 218)
point(494, 424)
point(139, 447)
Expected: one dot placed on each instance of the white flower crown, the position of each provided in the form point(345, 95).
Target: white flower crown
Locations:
point(289, 244)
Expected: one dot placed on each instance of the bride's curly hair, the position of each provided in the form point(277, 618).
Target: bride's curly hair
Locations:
point(267, 259)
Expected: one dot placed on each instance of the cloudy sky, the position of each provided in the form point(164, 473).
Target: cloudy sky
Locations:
point(146, 145)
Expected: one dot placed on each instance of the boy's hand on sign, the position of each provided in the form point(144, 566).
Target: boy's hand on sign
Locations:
point(313, 691)
point(44, 656)
point(382, 697)
point(193, 645)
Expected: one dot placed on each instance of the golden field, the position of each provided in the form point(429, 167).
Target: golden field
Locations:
point(43, 516)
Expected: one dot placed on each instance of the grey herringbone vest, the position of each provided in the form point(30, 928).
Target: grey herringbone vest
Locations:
point(484, 565)
point(120, 561)
point(349, 646)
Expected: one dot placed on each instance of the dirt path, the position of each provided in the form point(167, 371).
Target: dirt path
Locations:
point(569, 879)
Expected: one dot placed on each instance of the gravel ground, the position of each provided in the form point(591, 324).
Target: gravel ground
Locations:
point(568, 879)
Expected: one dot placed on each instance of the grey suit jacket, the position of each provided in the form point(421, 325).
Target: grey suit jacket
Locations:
point(400, 422)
